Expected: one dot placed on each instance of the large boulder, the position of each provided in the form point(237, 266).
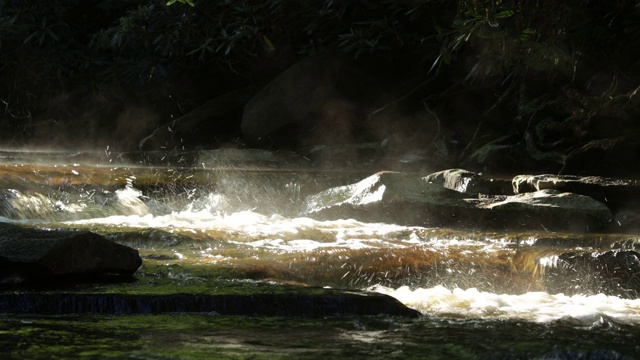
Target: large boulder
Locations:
point(405, 199)
point(195, 128)
point(552, 210)
point(39, 255)
point(390, 197)
point(322, 99)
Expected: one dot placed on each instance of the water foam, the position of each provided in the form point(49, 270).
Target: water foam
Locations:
point(273, 232)
point(541, 307)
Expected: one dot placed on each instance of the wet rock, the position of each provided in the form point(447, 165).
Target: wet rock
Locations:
point(469, 182)
point(328, 303)
point(616, 193)
point(32, 255)
point(551, 209)
point(386, 197)
point(613, 272)
point(412, 200)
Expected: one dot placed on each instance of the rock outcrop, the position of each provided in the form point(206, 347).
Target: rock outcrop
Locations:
point(387, 197)
point(616, 193)
point(412, 200)
point(551, 209)
point(470, 182)
point(32, 255)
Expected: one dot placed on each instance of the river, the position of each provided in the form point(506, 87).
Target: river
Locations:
point(196, 223)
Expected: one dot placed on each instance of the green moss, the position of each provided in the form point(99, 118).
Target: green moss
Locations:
point(198, 336)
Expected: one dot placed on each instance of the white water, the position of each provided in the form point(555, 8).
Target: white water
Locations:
point(577, 310)
point(301, 234)
point(214, 212)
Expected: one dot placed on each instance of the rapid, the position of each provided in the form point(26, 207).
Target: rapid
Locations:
point(485, 284)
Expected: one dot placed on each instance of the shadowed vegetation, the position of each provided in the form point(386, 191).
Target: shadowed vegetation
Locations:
point(558, 79)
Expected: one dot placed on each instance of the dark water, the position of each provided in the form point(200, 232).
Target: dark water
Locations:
point(482, 294)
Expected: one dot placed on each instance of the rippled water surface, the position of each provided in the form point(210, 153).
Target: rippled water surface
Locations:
point(482, 294)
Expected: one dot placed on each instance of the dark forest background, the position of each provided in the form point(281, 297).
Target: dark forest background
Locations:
point(551, 85)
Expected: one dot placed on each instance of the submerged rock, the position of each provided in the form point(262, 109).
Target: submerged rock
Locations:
point(32, 255)
point(412, 200)
point(327, 303)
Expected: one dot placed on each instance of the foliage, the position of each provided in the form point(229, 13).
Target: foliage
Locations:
point(186, 2)
point(536, 56)
point(558, 65)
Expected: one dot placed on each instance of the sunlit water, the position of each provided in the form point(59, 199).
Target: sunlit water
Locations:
point(443, 273)
point(277, 234)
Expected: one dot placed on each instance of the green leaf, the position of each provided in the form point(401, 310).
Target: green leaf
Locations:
point(268, 42)
point(504, 14)
point(187, 2)
point(526, 34)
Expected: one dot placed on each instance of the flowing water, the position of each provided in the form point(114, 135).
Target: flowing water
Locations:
point(482, 294)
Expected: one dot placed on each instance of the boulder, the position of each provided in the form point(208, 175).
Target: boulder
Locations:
point(40, 255)
point(390, 197)
point(470, 182)
point(412, 200)
point(195, 128)
point(552, 210)
point(324, 98)
point(616, 193)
